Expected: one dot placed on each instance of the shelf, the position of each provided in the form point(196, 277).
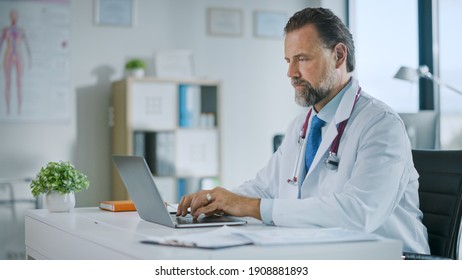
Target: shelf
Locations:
point(175, 125)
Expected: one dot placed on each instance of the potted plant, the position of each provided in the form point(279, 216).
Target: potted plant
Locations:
point(58, 181)
point(135, 68)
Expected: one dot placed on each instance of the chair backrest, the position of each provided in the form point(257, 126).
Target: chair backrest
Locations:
point(440, 193)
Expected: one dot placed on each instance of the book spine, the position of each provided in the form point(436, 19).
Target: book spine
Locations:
point(139, 146)
point(183, 107)
point(182, 185)
point(196, 105)
point(189, 105)
point(151, 150)
point(165, 154)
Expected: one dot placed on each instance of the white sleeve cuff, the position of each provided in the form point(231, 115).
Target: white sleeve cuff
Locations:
point(266, 211)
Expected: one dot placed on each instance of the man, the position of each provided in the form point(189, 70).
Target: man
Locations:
point(370, 183)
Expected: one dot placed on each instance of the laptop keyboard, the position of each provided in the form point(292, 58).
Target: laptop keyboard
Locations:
point(211, 219)
point(185, 221)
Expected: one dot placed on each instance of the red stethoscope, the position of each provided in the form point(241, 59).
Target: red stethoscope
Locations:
point(332, 161)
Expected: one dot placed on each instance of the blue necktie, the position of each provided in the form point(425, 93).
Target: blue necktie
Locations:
point(314, 139)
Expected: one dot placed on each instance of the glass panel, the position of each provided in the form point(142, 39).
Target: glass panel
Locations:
point(450, 73)
point(386, 37)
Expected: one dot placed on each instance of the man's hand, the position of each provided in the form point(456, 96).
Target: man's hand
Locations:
point(219, 200)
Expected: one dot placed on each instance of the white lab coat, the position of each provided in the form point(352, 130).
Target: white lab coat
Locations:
point(373, 190)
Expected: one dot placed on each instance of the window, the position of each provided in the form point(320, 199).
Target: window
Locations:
point(386, 37)
point(450, 73)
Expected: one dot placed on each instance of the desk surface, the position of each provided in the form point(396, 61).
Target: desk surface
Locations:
point(91, 233)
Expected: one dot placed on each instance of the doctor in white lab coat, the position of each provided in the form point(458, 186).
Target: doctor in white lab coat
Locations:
point(375, 187)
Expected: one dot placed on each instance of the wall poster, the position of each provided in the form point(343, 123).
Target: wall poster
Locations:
point(35, 60)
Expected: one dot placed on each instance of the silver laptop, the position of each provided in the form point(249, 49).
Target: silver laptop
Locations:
point(142, 189)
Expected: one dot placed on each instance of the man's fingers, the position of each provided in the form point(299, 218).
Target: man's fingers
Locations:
point(178, 210)
point(207, 210)
point(184, 205)
point(199, 203)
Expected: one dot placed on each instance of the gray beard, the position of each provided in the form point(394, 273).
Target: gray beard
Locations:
point(309, 95)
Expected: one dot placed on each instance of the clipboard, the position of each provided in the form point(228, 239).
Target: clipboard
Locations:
point(215, 239)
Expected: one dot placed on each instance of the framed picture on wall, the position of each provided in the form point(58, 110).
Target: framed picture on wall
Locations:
point(119, 13)
point(269, 24)
point(224, 22)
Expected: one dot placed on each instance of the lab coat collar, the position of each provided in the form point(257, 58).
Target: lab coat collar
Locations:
point(343, 112)
point(344, 108)
point(327, 113)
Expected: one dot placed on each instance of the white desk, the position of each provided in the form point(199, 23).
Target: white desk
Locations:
point(91, 233)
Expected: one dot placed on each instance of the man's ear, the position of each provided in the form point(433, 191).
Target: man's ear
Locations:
point(341, 54)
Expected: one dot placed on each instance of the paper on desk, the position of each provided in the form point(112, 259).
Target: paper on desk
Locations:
point(222, 237)
point(286, 236)
point(229, 236)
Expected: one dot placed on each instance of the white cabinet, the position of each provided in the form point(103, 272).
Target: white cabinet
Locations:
point(174, 125)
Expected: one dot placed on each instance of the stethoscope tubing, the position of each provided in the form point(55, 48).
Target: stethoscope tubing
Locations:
point(332, 161)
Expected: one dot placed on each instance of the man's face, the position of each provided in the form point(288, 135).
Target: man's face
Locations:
point(311, 67)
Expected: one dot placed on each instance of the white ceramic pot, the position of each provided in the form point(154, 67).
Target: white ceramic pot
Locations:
point(58, 202)
point(137, 73)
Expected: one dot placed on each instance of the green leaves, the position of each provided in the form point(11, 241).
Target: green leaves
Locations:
point(135, 64)
point(61, 177)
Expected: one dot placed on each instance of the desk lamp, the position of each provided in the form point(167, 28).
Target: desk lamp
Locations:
point(413, 75)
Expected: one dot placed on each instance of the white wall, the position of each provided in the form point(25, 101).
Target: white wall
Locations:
point(257, 99)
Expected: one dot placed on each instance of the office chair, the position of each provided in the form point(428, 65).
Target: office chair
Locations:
point(440, 193)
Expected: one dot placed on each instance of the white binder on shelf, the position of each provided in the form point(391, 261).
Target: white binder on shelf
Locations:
point(153, 106)
point(165, 154)
point(197, 153)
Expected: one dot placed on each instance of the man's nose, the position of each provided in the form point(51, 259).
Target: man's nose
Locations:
point(292, 71)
